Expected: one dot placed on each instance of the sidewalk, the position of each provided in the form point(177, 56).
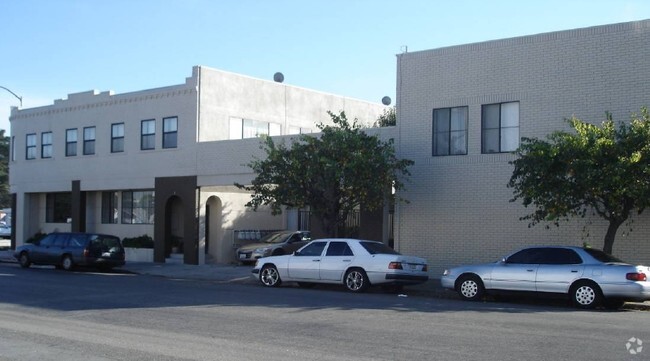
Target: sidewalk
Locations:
point(230, 273)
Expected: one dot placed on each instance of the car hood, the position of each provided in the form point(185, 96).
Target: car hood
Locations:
point(252, 246)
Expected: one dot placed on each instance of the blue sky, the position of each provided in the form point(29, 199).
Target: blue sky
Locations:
point(50, 48)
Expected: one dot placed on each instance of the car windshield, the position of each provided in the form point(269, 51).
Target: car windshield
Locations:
point(602, 256)
point(378, 248)
point(275, 237)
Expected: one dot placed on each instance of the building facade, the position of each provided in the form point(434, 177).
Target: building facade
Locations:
point(463, 109)
point(160, 162)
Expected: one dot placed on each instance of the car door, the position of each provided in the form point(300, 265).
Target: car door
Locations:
point(39, 251)
point(517, 272)
point(336, 260)
point(305, 264)
point(52, 253)
point(558, 268)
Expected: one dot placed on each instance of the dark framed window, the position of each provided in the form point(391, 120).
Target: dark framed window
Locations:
point(110, 210)
point(314, 249)
point(339, 249)
point(13, 148)
point(500, 127)
point(450, 131)
point(89, 140)
point(30, 146)
point(148, 134)
point(117, 137)
point(46, 145)
point(70, 142)
point(138, 207)
point(58, 207)
point(170, 132)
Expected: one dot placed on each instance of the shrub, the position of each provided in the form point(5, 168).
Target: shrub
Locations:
point(144, 241)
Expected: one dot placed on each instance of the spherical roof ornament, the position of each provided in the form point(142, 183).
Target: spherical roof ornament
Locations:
point(278, 77)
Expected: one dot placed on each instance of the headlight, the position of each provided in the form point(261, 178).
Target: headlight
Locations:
point(261, 250)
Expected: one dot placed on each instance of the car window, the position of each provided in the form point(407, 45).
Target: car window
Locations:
point(47, 241)
point(525, 256)
point(313, 249)
point(275, 237)
point(76, 240)
point(602, 256)
point(377, 248)
point(558, 256)
point(59, 240)
point(339, 249)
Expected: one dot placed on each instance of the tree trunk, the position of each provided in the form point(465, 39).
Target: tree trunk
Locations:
point(611, 235)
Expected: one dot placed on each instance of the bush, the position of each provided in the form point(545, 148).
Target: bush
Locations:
point(144, 241)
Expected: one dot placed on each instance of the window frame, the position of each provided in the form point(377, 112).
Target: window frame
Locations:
point(71, 145)
point(88, 141)
point(170, 135)
point(117, 141)
point(129, 211)
point(110, 211)
point(58, 207)
point(449, 131)
point(498, 129)
point(30, 147)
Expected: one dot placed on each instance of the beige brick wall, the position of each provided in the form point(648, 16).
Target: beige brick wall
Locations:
point(459, 208)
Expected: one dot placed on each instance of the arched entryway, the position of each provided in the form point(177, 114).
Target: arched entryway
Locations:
point(174, 226)
point(214, 231)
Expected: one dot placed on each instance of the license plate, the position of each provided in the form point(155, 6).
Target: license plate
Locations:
point(413, 267)
point(242, 256)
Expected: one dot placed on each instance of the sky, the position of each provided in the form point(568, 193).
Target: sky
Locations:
point(51, 48)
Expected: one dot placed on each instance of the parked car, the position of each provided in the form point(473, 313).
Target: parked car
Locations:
point(357, 264)
point(5, 230)
point(273, 244)
point(67, 250)
point(589, 277)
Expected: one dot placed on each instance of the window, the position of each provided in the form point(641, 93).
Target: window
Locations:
point(339, 249)
point(298, 130)
point(138, 207)
point(30, 148)
point(110, 212)
point(148, 134)
point(57, 207)
point(70, 142)
point(249, 128)
point(46, 145)
point(377, 248)
point(314, 249)
point(117, 137)
point(89, 140)
point(13, 148)
point(525, 256)
point(170, 132)
point(500, 127)
point(559, 256)
point(450, 131)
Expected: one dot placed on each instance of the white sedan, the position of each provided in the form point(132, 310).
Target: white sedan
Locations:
point(357, 264)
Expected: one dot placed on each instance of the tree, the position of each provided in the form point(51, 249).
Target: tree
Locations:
point(5, 197)
point(387, 119)
point(600, 170)
point(332, 173)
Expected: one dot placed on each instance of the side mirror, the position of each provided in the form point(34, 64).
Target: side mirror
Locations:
point(296, 253)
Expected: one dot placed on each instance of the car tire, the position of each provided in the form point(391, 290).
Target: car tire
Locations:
point(24, 260)
point(67, 263)
point(356, 280)
point(470, 288)
point(269, 276)
point(585, 294)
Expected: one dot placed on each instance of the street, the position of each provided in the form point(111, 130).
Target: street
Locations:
point(47, 314)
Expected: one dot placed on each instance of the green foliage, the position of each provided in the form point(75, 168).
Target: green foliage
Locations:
point(600, 169)
point(332, 173)
point(387, 119)
point(144, 241)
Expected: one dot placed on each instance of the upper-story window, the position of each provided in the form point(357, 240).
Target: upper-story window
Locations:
point(298, 130)
point(117, 137)
point(46, 145)
point(13, 148)
point(89, 140)
point(249, 128)
point(30, 147)
point(450, 131)
point(170, 132)
point(148, 134)
point(500, 127)
point(70, 142)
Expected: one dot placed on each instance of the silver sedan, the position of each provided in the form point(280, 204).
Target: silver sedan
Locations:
point(588, 276)
point(357, 264)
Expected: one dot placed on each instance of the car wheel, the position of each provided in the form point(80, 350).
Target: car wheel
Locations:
point(356, 280)
point(269, 276)
point(585, 294)
point(24, 260)
point(470, 288)
point(67, 263)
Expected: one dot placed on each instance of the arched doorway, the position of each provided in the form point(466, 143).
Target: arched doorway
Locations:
point(174, 226)
point(214, 231)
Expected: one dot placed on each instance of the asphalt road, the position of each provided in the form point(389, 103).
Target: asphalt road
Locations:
point(47, 314)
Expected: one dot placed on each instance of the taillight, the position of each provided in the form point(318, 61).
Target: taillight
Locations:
point(395, 265)
point(636, 276)
point(86, 252)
